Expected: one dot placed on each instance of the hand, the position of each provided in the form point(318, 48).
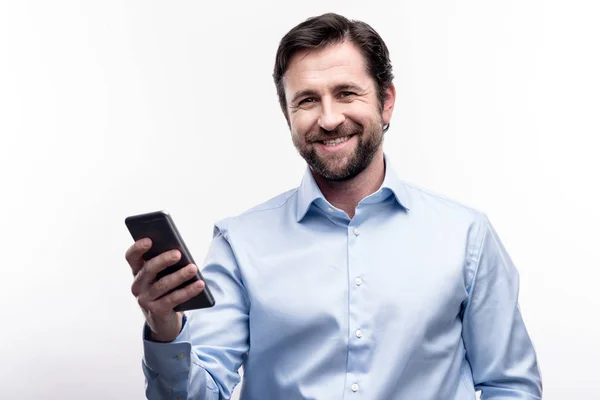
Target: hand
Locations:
point(164, 322)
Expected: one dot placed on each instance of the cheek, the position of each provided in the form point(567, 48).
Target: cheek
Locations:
point(302, 122)
point(361, 112)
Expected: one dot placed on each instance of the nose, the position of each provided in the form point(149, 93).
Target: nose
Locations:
point(330, 117)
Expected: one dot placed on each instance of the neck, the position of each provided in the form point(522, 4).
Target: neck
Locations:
point(347, 194)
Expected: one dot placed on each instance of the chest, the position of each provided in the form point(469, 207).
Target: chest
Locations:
point(384, 277)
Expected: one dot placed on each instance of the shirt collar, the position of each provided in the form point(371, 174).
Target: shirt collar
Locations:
point(309, 192)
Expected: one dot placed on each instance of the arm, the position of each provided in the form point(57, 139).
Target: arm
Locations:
point(498, 347)
point(203, 362)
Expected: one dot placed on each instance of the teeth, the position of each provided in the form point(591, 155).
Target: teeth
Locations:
point(335, 141)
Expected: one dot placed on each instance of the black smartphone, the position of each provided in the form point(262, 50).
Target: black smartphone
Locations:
point(161, 229)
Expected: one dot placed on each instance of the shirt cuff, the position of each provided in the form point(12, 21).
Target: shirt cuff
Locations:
point(168, 359)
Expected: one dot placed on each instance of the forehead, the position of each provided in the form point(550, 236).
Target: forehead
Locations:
point(331, 65)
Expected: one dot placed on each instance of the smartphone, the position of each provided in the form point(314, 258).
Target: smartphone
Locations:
point(161, 229)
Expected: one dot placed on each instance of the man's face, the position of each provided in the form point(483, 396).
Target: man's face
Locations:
point(334, 114)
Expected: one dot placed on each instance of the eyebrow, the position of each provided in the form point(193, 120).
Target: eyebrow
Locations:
point(338, 88)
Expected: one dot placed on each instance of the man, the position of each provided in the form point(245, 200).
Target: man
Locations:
point(354, 285)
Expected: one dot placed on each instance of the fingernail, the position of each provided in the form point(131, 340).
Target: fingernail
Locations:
point(175, 255)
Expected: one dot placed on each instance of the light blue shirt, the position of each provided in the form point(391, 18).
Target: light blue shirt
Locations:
point(413, 298)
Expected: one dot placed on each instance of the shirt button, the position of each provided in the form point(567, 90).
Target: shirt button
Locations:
point(355, 387)
point(329, 209)
point(358, 281)
point(359, 333)
point(180, 356)
point(356, 231)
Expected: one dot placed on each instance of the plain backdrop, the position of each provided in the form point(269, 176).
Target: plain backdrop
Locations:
point(115, 108)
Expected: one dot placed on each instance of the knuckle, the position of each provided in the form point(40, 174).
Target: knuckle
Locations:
point(152, 268)
point(142, 244)
point(183, 275)
point(188, 292)
point(150, 264)
point(142, 302)
point(173, 300)
point(160, 286)
point(132, 252)
point(164, 258)
point(159, 262)
point(170, 257)
point(135, 291)
point(136, 286)
point(129, 257)
point(169, 303)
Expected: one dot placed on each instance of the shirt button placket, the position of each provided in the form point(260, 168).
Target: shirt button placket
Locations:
point(357, 341)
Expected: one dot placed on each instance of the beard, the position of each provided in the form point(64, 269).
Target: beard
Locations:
point(341, 167)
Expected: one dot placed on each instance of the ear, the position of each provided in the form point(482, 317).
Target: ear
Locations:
point(389, 99)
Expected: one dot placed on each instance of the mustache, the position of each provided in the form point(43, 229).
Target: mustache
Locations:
point(340, 131)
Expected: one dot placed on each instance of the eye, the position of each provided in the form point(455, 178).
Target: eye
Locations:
point(346, 94)
point(307, 100)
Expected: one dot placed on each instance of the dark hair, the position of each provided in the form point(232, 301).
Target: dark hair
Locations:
point(329, 29)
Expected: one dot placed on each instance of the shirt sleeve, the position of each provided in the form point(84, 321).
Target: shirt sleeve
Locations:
point(203, 361)
point(498, 347)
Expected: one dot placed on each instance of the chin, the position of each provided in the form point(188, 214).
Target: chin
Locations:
point(342, 177)
point(339, 174)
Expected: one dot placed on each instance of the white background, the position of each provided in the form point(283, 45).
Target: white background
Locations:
point(119, 107)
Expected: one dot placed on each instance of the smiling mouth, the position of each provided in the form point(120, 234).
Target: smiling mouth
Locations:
point(336, 141)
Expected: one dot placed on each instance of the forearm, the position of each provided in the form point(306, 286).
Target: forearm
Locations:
point(499, 349)
point(202, 363)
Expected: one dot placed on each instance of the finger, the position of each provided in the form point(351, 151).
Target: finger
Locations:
point(160, 262)
point(147, 274)
point(171, 281)
point(134, 254)
point(166, 304)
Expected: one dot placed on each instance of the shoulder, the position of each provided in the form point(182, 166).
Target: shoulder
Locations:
point(260, 214)
point(453, 220)
point(428, 199)
point(428, 202)
point(448, 216)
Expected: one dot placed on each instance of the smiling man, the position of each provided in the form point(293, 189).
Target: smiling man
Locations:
point(334, 113)
point(354, 285)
